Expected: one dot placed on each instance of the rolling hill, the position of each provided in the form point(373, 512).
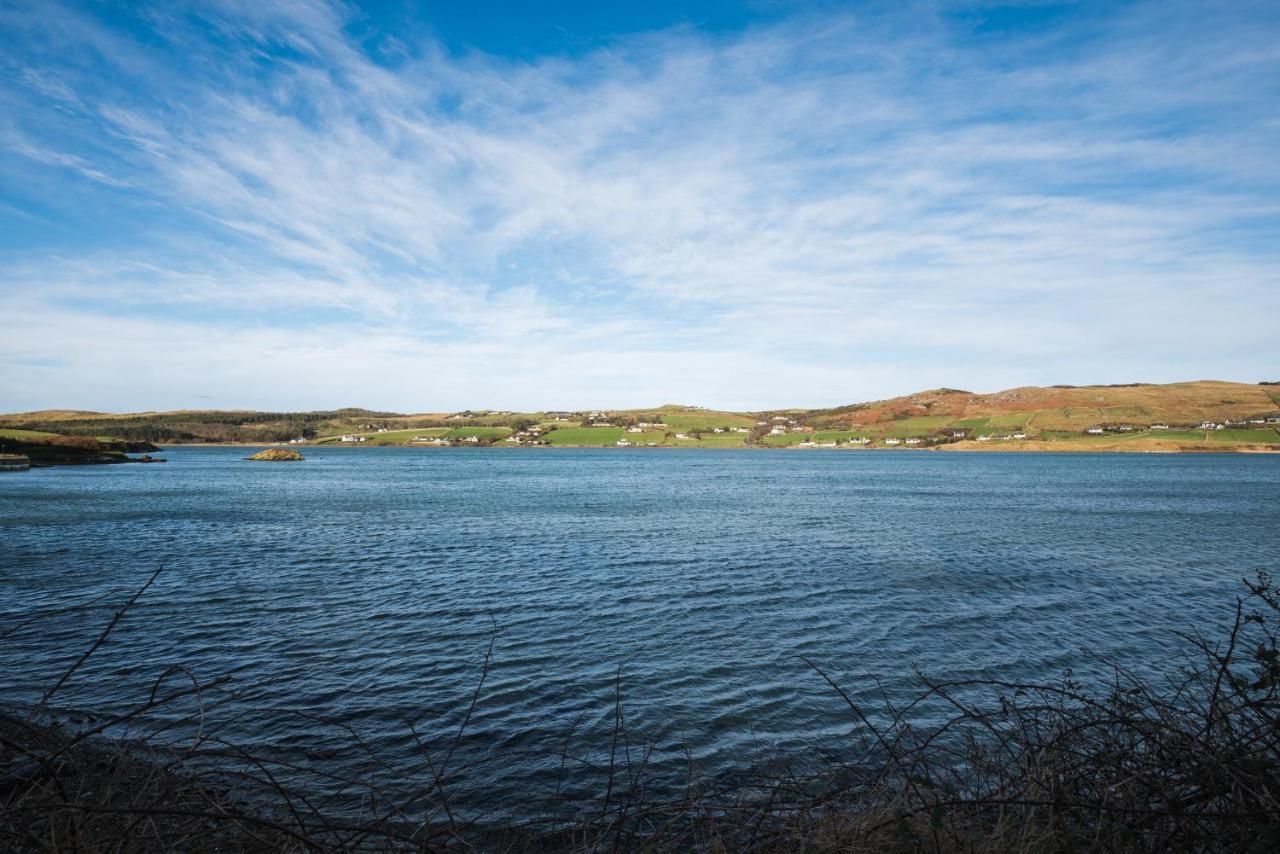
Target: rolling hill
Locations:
point(1136, 416)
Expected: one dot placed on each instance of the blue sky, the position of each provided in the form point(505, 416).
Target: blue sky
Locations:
point(433, 206)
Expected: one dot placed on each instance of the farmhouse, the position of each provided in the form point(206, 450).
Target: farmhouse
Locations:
point(624, 443)
point(352, 438)
point(893, 441)
point(913, 441)
point(1159, 427)
point(1095, 431)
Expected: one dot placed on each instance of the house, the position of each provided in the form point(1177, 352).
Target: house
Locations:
point(778, 430)
point(472, 439)
point(352, 438)
point(913, 441)
point(827, 445)
point(624, 443)
point(807, 443)
point(988, 438)
point(739, 430)
point(1019, 435)
point(718, 430)
point(635, 430)
point(957, 434)
point(298, 441)
point(1208, 425)
point(1095, 431)
point(683, 436)
point(1159, 427)
point(893, 441)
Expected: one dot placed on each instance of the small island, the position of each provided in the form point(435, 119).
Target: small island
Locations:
point(277, 455)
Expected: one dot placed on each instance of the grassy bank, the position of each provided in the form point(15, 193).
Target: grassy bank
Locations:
point(1191, 763)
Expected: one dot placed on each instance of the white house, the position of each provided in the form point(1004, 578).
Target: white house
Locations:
point(624, 443)
point(893, 441)
point(987, 438)
point(778, 430)
point(352, 438)
point(683, 436)
point(1159, 427)
point(1095, 431)
point(1019, 435)
point(913, 441)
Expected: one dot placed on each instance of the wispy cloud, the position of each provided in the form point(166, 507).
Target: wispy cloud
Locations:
point(820, 210)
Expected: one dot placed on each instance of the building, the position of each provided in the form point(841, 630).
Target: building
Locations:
point(1159, 427)
point(352, 438)
point(893, 441)
point(624, 443)
point(1095, 431)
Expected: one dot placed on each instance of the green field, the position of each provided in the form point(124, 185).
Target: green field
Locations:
point(482, 432)
point(699, 421)
point(26, 435)
point(719, 440)
point(585, 436)
point(646, 437)
point(838, 435)
point(1255, 436)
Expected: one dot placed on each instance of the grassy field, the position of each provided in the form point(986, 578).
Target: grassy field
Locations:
point(721, 440)
point(585, 436)
point(482, 432)
point(703, 421)
point(1260, 435)
point(26, 435)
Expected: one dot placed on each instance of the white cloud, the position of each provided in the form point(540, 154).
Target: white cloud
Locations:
point(817, 212)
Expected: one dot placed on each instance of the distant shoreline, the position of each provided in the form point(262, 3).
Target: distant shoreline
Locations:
point(1025, 448)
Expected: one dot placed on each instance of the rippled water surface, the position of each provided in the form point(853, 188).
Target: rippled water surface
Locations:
point(364, 585)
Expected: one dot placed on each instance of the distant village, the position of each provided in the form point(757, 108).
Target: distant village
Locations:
point(777, 428)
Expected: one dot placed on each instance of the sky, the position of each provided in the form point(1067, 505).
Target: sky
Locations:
point(424, 207)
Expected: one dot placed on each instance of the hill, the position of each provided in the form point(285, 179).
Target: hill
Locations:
point(1200, 415)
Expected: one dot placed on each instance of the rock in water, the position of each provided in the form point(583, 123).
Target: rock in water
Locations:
point(277, 455)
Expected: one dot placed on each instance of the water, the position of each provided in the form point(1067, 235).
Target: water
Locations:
point(364, 585)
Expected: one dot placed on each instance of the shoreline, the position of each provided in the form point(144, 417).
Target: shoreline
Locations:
point(968, 447)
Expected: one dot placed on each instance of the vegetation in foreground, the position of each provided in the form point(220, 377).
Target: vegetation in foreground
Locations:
point(1191, 764)
point(1192, 416)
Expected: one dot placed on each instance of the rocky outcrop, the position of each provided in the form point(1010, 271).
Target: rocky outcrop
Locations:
point(277, 455)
